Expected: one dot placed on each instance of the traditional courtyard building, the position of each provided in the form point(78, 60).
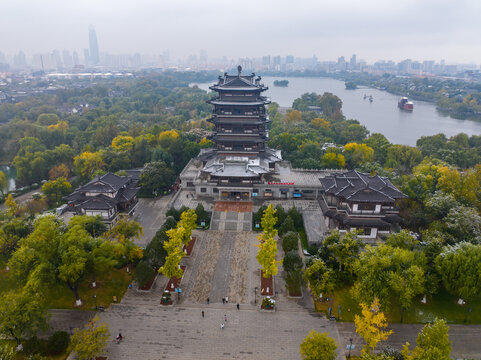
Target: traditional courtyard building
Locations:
point(107, 196)
point(353, 200)
point(241, 167)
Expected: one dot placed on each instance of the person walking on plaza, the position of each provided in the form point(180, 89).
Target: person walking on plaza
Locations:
point(225, 317)
point(238, 308)
point(222, 326)
point(223, 300)
point(202, 313)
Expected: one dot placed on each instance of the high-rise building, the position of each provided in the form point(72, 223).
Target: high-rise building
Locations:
point(86, 57)
point(289, 59)
point(67, 59)
point(19, 60)
point(353, 62)
point(76, 60)
point(94, 47)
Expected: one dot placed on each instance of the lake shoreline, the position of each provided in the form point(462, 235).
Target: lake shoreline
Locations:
point(381, 116)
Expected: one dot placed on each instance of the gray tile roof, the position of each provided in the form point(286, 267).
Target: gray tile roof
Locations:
point(360, 187)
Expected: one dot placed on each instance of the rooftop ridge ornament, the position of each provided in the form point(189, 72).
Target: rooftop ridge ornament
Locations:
point(239, 70)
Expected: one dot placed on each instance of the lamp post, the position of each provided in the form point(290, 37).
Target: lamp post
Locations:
point(255, 296)
point(468, 310)
point(350, 347)
point(95, 299)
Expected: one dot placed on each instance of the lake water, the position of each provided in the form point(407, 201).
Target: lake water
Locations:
point(382, 115)
point(11, 176)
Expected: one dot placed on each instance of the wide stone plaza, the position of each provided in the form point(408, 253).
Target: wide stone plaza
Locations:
point(222, 265)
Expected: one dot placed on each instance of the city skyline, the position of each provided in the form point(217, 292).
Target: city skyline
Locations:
point(377, 30)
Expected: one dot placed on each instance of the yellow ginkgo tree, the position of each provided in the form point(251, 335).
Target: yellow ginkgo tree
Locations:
point(268, 244)
point(369, 326)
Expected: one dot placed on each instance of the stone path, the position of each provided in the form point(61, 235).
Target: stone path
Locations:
point(198, 278)
point(185, 198)
point(231, 221)
point(150, 213)
point(220, 283)
point(239, 275)
point(182, 333)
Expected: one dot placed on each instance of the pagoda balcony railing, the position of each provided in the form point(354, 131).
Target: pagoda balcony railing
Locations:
point(245, 114)
point(245, 132)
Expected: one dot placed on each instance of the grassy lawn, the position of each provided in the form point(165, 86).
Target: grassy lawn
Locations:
point(442, 305)
point(59, 296)
point(22, 356)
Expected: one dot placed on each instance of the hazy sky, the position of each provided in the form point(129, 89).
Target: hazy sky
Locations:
point(373, 29)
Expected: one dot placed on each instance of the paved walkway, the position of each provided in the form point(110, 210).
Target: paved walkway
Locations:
point(182, 333)
point(150, 213)
point(231, 221)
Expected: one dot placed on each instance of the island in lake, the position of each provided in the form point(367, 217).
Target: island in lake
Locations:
point(282, 83)
point(350, 85)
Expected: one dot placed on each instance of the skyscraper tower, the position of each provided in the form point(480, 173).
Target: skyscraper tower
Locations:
point(94, 46)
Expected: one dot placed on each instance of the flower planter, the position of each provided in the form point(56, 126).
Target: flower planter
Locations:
point(267, 286)
point(174, 282)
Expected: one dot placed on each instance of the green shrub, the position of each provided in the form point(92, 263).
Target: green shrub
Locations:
point(292, 261)
point(296, 217)
point(143, 273)
point(312, 250)
point(58, 342)
point(34, 346)
point(289, 241)
point(287, 225)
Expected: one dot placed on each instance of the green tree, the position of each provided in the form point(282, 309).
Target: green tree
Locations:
point(318, 346)
point(287, 226)
point(292, 261)
point(93, 224)
point(3, 183)
point(156, 177)
point(403, 240)
point(22, 314)
point(73, 258)
point(55, 189)
point(432, 343)
point(344, 249)
point(290, 241)
point(369, 326)
point(100, 258)
point(90, 342)
point(460, 269)
point(155, 252)
point(379, 144)
point(320, 278)
point(126, 228)
point(11, 205)
point(143, 273)
point(384, 272)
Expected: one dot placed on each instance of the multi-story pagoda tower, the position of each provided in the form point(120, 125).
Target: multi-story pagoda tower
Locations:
point(241, 125)
point(241, 128)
